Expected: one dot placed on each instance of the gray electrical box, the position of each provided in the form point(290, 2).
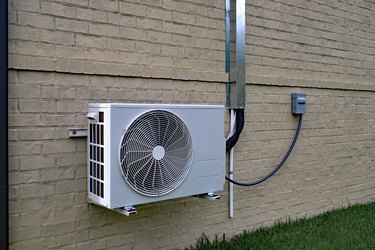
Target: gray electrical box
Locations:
point(298, 103)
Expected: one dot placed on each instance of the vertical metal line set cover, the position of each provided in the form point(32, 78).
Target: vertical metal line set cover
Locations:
point(235, 46)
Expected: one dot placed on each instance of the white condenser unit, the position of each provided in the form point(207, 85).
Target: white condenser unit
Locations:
point(142, 153)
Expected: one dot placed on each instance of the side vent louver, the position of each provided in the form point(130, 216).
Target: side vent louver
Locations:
point(96, 157)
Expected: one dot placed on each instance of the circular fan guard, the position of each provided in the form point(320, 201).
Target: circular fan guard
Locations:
point(156, 153)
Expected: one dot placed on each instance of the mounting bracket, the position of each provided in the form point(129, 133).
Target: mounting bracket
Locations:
point(209, 196)
point(127, 210)
point(77, 133)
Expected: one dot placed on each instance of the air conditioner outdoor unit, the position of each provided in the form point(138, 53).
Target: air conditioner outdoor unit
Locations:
point(141, 153)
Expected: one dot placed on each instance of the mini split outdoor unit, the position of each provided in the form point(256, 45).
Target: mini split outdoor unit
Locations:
point(142, 153)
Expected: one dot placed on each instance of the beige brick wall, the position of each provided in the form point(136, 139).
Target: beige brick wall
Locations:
point(329, 43)
point(65, 54)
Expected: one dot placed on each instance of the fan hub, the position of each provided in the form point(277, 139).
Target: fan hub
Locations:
point(158, 152)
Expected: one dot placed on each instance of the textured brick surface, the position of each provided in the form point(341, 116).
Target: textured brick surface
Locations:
point(332, 165)
point(66, 54)
point(328, 43)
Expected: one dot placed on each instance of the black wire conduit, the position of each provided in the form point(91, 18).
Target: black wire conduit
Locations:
point(240, 120)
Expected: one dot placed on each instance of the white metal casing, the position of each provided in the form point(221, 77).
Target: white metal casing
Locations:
point(207, 174)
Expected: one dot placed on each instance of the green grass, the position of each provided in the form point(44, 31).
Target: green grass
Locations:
point(349, 228)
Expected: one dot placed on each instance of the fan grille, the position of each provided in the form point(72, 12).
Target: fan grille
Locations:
point(156, 153)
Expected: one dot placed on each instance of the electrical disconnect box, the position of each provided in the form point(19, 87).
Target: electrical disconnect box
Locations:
point(298, 103)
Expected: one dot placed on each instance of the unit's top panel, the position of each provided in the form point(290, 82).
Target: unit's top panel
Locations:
point(154, 106)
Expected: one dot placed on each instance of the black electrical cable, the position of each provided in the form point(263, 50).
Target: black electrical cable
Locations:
point(240, 121)
point(247, 184)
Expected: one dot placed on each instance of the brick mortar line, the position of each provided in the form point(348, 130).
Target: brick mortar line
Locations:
point(259, 55)
point(148, 67)
point(307, 26)
point(307, 52)
point(253, 44)
point(314, 87)
point(315, 11)
point(312, 36)
point(259, 80)
point(304, 17)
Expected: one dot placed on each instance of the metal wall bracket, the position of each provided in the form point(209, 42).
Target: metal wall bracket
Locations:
point(209, 196)
point(77, 133)
point(127, 210)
